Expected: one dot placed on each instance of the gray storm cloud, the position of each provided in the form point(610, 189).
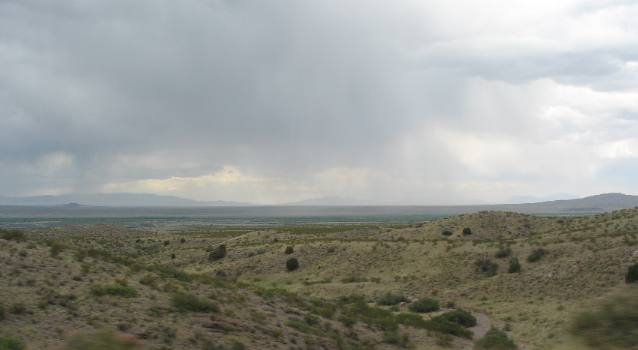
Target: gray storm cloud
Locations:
point(410, 101)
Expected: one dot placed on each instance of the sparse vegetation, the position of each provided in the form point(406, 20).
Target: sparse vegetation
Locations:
point(446, 233)
point(467, 231)
point(187, 302)
point(289, 250)
point(315, 305)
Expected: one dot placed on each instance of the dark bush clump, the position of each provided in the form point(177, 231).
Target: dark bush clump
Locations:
point(289, 250)
point(503, 253)
point(12, 235)
point(217, 253)
point(462, 317)
point(632, 274)
point(486, 266)
point(188, 302)
point(117, 290)
point(495, 339)
point(446, 233)
point(292, 264)
point(18, 309)
point(612, 325)
point(3, 313)
point(7, 343)
point(536, 255)
point(424, 305)
point(515, 265)
point(391, 299)
point(467, 231)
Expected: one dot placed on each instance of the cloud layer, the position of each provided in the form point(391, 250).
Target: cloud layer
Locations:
point(397, 102)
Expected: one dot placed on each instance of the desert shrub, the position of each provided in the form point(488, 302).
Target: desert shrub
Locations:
point(467, 231)
point(289, 250)
point(446, 327)
point(217, 253)
point(238, 346)
point(495, 339)
point(503, 253)
point(424, 305)
point(117, 290)
point(391, 299)
point(515, 265)
point(459, 316)
point(104, 340)
point(18, 309)
point(55, 248)
point(446, 233)
point(3, 313)
point(486, 266)
point(632, 274)
point(611, 325)
point(12, 235)
point(536, 255)
point(292, 264)
point(7, 343)
point(188, 302)
point(393, 337)
point(169, 271)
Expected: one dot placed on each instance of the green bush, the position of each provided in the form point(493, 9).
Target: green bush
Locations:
point(424, 305)
point(467, 231)
point(117, 290)
point(292, 264)
point(446, 233)
point(391, 299)
point(503, 253)
point(632, 274)
point(515, 265)
point(104, 340)
point(12, 235)
point(188, 302)
point(55, 248)
point(486, 266)
point(612, 324)
point(459, 316)
point(536, 255)
point(289, 250)
point(217, 253)
point(7, 343)
point(495, 339)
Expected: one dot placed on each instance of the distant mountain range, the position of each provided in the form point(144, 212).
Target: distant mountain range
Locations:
point(113, 200)
point(332, 200)
point(592, 204)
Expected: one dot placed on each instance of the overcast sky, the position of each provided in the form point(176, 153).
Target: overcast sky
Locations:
point(412, 102)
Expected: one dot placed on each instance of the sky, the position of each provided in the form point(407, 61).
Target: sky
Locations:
point(390, 102)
